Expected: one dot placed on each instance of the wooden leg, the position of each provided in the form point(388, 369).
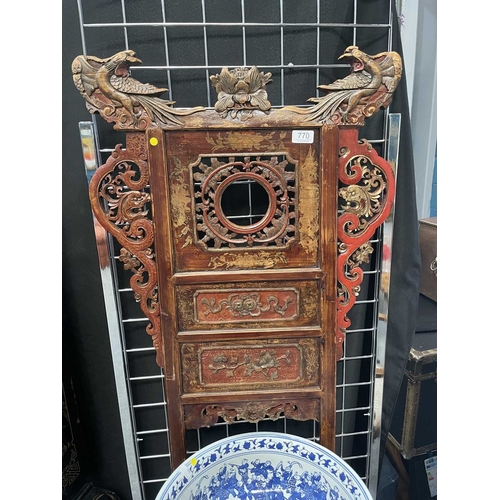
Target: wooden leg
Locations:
point(403, 491)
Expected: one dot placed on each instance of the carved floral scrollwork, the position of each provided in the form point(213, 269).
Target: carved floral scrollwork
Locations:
point(120, 204)
point(277, 178)
point(368, 187)
point(267, 363)
point(246, 304)
point(253, 411)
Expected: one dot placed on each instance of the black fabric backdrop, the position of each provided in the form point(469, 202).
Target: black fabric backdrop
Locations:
point(84, 321)
point(406, 264)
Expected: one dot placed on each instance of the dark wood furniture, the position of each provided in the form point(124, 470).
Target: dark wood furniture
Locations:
point(244, 228)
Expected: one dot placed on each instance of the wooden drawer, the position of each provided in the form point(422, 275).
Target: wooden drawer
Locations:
point(250, 365)
point(223, 306)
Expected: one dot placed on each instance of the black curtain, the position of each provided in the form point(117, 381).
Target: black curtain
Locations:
point(406, 264)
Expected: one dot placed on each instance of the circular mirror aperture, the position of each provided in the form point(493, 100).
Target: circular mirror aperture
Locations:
point(245, 202)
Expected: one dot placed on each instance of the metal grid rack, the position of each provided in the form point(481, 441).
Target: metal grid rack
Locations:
point(205, 35)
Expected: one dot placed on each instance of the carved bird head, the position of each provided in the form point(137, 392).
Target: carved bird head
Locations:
point(121, 62)
point(357, 58)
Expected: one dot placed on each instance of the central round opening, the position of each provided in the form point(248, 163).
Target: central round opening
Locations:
point(245, 202)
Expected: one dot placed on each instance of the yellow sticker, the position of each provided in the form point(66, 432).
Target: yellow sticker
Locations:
point(153, 141)
point(193, 461)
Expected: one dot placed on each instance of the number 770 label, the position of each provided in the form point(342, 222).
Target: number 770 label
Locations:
point(303, 136)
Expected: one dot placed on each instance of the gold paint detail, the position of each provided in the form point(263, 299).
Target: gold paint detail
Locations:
point(267, 364)
point(309, 204)
point(240, 91)
point(212, 366)
point(256, 411)
point(246, 260)
point(311, 358)
point(368, 88)
point(303, 311)
point(274, 173)
point(362, 254)
point(364, 199)
point(246, 304)
point(109, 89)
point(246, 141)
point(181, 202)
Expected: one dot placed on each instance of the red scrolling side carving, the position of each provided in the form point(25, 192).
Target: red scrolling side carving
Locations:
point(120, 204)
point(366, 195)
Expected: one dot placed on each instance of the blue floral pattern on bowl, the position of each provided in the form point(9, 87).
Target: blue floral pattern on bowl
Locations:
point(264, 466)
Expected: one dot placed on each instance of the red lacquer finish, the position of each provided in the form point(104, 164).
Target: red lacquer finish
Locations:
point(248, 309)
point(120, 205)
point(369, 195)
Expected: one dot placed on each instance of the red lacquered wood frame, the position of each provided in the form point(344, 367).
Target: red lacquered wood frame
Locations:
point(247, 321)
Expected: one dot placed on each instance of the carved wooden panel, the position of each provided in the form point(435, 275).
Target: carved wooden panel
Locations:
point(268, 304)
point(205, 415)
point(250, 365)
point(203, 166)
point(229, 222)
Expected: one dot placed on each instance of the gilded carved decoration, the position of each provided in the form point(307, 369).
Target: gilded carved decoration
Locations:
point(264, 321)
point(109, 89)
point(209, 367)
point(309, 204)
point(266, 260)
point(254, 411)
point(248, 140)
point(244, 305)
point(216, 229)
point(181, 205)
point(267, 364)
point(121, 205)
point(359, 95)
point(297, 304)
point(240, 91)
point(368, 187)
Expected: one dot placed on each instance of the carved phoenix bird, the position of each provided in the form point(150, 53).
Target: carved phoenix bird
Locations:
point(368, 75)
point(111, 77)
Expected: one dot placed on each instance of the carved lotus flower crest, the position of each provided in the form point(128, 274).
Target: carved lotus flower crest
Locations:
point(241, 90)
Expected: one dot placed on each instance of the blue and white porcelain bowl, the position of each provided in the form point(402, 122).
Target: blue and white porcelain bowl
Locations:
point(264, 466)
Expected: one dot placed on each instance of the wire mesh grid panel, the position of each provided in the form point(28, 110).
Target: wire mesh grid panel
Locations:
point(182, 43)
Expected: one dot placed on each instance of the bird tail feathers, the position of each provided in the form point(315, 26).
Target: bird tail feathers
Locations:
point(325, 107)
point(160, 110)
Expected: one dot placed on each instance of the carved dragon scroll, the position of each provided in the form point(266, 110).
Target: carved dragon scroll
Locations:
point(120, 203)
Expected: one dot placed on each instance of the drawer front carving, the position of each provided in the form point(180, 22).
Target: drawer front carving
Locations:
point(206, 415)
point(245, 305)
point(253, 364)
point(235, 306)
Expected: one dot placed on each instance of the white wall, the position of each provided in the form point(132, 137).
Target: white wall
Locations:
point(419, 37)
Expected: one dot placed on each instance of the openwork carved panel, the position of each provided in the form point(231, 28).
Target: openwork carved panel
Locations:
point(253, 411)
point(122, 205)
point(268, 185)
point(244, 234)
point(239, 208)
point(366, 187)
